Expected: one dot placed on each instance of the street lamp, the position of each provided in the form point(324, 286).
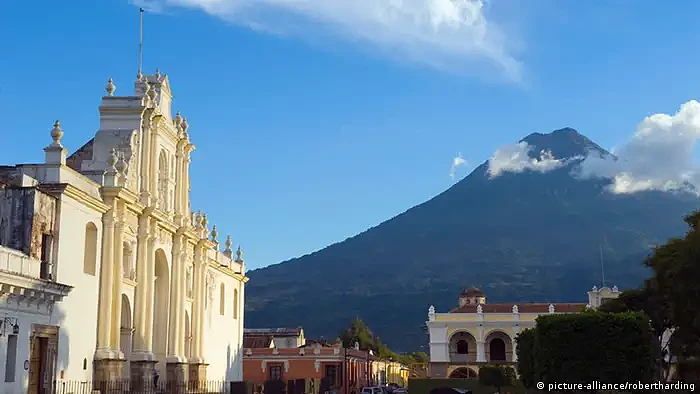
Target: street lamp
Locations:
point(8, 322)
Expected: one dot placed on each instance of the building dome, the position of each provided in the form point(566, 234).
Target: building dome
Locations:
point(472, 295)
point(472, 292)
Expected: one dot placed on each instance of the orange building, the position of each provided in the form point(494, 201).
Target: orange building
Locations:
point(346, 370)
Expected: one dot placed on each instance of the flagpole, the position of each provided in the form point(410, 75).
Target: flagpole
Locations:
point(140, 40)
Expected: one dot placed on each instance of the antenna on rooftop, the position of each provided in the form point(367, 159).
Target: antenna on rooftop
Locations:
point(602, 265)
point(141, 11)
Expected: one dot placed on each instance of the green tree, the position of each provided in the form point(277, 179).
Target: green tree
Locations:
point(526, 357)
point(495, 376)
point(652, 303)
point(359, 333)
point(591, 346)
point(674, 295)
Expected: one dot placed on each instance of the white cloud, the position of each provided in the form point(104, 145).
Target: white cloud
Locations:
point(456, 162)
point(516, 158)
point(659, 156)
point(451, 35)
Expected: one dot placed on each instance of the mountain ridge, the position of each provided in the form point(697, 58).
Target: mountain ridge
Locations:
point(527, 236)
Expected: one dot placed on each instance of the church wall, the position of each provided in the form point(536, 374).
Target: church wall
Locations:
point(79, 309)
point(223, 333)
point(19, 226)
point(26, 316)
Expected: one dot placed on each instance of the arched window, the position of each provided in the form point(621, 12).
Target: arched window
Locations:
point(462, 347)
point(90, 250)
point(235, 303)
point(222, 301)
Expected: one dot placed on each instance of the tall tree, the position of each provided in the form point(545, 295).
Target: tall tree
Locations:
point(676, 267)
point(671, 297)
point(359, 333)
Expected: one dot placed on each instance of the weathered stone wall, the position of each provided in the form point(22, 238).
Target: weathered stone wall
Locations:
point(25, 215)
point(43, 221)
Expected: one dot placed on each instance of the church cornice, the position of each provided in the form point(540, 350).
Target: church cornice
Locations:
point(21, 285)
point(228, 271)
point(125, 195)
point(164, 221)
point(76, 194)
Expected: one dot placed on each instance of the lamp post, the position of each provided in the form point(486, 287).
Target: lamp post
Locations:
point(8, 322)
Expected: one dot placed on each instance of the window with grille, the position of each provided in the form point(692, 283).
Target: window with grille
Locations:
point(332, 373)
point(275, 372)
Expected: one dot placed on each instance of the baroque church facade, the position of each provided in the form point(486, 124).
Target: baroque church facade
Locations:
point(106, 273)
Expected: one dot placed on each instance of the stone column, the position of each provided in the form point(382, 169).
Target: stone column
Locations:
point(196, 306)
point(186, 181)
point(142, 365)
point(178, 185)
point(153, 161)
point(480, 351)
point(172, 311)
point(117, 286)
point(105, 294)
point(107, 366)
point(205, 293)
point(140, 299)
point(146, 158)
point(515, 349)
point(149, 282)
point(198, 367)
point(176, 369)
point(182, 284)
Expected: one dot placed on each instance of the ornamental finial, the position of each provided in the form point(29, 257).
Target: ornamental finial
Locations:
point(121, 165)
point(112, 160)
point(184, 125)
point(228, 243)
point(239, 254)
point(214, 234)
point(56, 133)
point(198, 219)
point(110, 87)
point(178, 119)
point(158, 73)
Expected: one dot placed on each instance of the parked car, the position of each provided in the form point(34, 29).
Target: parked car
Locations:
point(450, 390)
point(373, 390)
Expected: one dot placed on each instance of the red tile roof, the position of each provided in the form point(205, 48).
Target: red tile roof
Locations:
point(256, 341)
point(522, 308)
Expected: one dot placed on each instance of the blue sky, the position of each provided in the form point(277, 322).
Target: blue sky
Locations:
point(313, 124)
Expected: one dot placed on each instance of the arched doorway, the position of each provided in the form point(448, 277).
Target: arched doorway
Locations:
point(463, 373)
point(497, 349)
point(160, 308)
point(462, 347)
point(125, 331)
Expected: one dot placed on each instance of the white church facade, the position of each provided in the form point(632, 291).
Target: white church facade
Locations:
point(106, 273)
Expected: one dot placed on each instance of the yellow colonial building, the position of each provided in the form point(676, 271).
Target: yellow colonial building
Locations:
point(476, 333)
point(388, 372)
